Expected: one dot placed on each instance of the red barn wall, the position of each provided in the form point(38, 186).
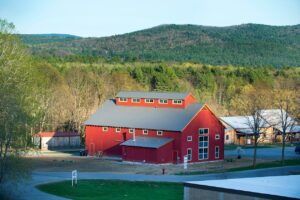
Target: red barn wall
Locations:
point(189, 99)
point(149, 155)
point(204, 119)
point(108, 142)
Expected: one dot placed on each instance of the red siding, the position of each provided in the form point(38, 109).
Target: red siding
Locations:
point(108, 142)
point(204, 119)
point(149, 155)
point(189, 99)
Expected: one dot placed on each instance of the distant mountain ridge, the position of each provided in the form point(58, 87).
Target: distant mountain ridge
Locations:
point(246, 45)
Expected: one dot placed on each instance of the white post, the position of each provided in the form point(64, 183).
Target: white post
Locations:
point(74, 177)
point(133, 137)
point(185, 161)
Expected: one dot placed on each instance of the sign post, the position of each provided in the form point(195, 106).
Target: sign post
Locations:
point(74, 177)
point(185, 161)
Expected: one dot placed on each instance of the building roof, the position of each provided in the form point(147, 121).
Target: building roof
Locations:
point(272, 187)
point(153, 95)
point(56, 134)
point(274, 118)
point(242, 122)
point(144, 117)
point(147, 142)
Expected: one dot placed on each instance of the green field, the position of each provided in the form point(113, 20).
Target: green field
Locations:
point(106, 190)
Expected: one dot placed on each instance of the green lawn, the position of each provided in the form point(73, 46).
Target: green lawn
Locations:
point(117, 190)
point(268, 165)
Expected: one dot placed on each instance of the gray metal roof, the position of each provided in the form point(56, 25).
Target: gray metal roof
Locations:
point(148, 142)
point(242, 122)
point(153, 95)
point(172, 119)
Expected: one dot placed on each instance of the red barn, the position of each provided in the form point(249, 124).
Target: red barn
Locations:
point(155, 127)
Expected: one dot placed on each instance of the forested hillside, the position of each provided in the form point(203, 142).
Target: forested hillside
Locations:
point(242, 45)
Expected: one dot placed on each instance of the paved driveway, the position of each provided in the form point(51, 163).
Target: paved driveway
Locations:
point(266, 153)
point(27, 190)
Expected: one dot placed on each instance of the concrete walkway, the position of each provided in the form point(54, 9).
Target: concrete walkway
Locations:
point(27, 190)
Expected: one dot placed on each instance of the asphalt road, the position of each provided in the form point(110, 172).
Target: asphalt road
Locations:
point(266, 153)
point(26, 190)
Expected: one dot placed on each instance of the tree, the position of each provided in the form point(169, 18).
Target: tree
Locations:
point(285, 101)
point(14, 103)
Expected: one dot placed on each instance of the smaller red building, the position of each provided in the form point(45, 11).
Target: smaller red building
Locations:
point(155, 127)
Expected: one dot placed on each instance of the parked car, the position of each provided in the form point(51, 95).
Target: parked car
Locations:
point(83, 152)
point(297, 148)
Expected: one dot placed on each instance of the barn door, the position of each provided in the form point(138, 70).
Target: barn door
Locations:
point(175, 157)
point(92, 149)
point(124, 136)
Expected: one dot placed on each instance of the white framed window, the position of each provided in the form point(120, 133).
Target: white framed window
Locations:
point(105, 128)
point(203, 131)
point(145, 132)
point(149, 100)
point(118, 130)
point(135, 100)
point(131, 130)
point(203, 144)
point(189, 154)
point(217, 136)
point(176, 101)
point(160, 133)
point(189, 138)
point(226, 137)
point(123, 99)
point(163, 101)
point(217, 152)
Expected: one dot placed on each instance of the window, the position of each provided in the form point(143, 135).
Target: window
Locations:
point(163, 101)
point(118, 130)
point(227, 137)
point(104, 129)
point(123, 99)
point(217, 136)
point(203, 144)
point(189, 138)
point(203, 131)
point(131, 130)
point(145, 132)
point(189, 154)
point(149, 100)
point(159, 133)
point(175, 101)
point(217, 152)
point(135, 100)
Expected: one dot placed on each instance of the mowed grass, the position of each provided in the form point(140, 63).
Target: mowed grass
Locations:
point(117, 190)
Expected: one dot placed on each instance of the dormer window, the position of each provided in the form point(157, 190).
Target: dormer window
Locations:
point(163, 101)
point(135, 100)
point(123, 99)
point(149, 100)
point(176, 101)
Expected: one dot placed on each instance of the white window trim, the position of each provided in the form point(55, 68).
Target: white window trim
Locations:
point(191, 138)
point(187, 150)
point(145, 132)
point(160, 133)
point(149, 100)
point(104, 128)
point(118, 131)
point(122, 98)
point(139, 100)
point(217, 136)
point(131, 130)
point(216, 152)
point(173, 101)
point(202, 135)
point(160, 101)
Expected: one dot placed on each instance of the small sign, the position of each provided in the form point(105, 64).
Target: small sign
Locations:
point(185, 162)
point(74, 177)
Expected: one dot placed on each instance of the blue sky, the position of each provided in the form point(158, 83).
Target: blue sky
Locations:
point(110, 17)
